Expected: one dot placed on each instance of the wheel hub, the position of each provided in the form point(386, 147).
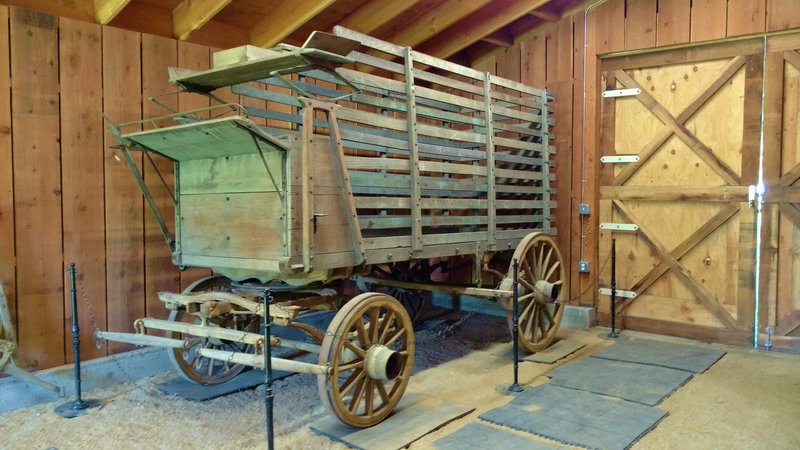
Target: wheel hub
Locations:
point(383, 363)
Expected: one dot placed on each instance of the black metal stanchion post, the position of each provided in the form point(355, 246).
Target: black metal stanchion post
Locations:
point(515, 330)
point(613, 333)
point(78, 407)
point(268, 394)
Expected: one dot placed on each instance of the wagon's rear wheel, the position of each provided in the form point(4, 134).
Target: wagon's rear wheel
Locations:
point(198, 369)
point(369, 347)
point(543, 289)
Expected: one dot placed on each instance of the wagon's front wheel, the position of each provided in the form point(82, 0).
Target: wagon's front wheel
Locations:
point(369, 347)
point(543, 289)
point(198, 369)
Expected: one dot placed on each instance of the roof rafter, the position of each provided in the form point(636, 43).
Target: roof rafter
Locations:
point(501, 37)
point(371, 15)
point(433, 22)
point(478, 25)
point(106, 10)
point(285, 18)
point(191, 15)
point(550, 13)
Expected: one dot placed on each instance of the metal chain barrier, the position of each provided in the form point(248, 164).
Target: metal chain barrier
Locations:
point(114, 358)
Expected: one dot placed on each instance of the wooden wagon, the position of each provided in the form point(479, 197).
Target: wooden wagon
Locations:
point(360, 160)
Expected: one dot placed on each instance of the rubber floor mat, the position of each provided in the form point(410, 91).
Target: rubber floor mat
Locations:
point(576, 417)
point(475, 435)
point(640, 383)
point(664, 354)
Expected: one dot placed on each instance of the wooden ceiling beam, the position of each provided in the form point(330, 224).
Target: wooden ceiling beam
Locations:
point(434, 21)
point(191, 15)
point(501, 37)
point(478, 25)
point(373, 14)
point(288, 16)
point(547, 12)
point(106, 10)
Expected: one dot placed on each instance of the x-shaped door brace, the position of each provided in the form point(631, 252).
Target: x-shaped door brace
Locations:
point(676, 125)
point(670, 260)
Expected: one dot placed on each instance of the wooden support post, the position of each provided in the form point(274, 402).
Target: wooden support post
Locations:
point(307, 191)
point(413, 155)
point(491, 194)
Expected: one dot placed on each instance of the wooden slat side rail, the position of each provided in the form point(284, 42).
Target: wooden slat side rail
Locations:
point(383, 222)
point(37, 187)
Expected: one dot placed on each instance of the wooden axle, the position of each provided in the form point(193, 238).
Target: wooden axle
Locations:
point(257, 361)
point(467, 290)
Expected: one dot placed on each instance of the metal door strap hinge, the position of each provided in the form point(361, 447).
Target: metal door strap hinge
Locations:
point(619, 159)
point(622, 92)
point(619, 292)
point(619, 226)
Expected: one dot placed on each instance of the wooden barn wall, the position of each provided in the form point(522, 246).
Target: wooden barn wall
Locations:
point(553, 56)
point(65, 196)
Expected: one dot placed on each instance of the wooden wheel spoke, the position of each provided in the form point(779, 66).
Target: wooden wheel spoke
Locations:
point(529, 318)
point(356, 400)
point(368, 398)
point(552, 269)
point(386, 323)
point(547, 258)
point(527, 268)
point(350, 366)
point(395, 337)
point(539, 250)
point(547, 313)
point(381, 388)
point(351, 381)
point(361, 331)
point(374, 324)
point(542, 326)
point(527, 284)
point(356, 349)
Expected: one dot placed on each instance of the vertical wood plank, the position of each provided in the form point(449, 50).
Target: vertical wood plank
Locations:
point(708, 19)
point(773, 138)
point(606, 33)
point(7, 256)
point(750, 155)
point(640, 24)
point(575, 158)
point(674, 18)
point(158, 53)
point(37, 187)
point(747, 16)
point(559, 81)
point(195, 57)
point(122, 101)
point(609, 26)
point(80, 68)
point(782, 15)
point(532, 59)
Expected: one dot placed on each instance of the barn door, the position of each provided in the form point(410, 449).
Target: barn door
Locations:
point(680, 145)
point(783, 193)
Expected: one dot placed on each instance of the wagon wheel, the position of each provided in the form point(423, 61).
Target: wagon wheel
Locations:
point(369, 347)
point(541, 272)
point(413, 300)
point(198, 369)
